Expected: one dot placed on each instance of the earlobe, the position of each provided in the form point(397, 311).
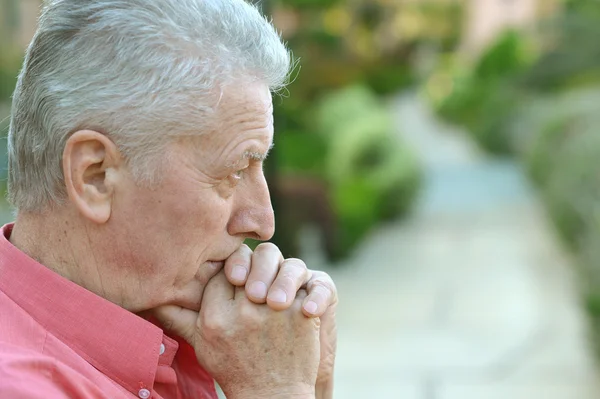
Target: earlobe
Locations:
point(90, 167)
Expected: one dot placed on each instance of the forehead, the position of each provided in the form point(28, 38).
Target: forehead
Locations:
point(243, 124)
point(251, 97)
point(246, 107)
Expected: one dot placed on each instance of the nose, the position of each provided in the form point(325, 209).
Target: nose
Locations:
point(252, 215)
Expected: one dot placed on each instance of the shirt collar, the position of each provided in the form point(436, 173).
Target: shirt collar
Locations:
point(118, 343)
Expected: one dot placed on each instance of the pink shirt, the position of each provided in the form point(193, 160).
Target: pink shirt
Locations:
point(58, 340)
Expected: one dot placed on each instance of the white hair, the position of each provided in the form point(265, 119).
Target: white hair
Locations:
point(139, 71)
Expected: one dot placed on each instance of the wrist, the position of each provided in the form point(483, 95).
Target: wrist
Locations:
point(272, 393)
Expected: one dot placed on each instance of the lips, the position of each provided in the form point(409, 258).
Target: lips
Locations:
point(212, 267)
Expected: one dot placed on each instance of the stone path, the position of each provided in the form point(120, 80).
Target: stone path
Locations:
point(471, 298)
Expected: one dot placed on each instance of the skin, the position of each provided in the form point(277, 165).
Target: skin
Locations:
point(175, 251)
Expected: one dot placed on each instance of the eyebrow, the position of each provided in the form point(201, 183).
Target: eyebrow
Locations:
point(257, 156)
point(252, 155)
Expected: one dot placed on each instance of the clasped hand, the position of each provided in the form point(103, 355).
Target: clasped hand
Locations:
point(285, 349)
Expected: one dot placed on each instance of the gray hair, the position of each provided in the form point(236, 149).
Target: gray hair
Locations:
point(139, 71)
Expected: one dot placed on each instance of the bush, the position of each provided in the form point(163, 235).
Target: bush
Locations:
point(572, 187)
point(359, 173)
point(302, 152)
point(512, 101)
point(484, 99)
point(562, 159)
point(374, 177)
point(546, 124)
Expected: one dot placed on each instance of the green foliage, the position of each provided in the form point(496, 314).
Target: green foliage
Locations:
point(301, 152)
point(356, 203)
point(388, 78)
point(308, 4)
point(589, 278)
point(543, 104)
point(540, 161)
point(347, 141)
point(573, 189)
point(373, 175)
point(571, 55)
point(484, 99)
point(562, 158)
point(333, 128)
point(10, 63)
point(505, 58)
point(489, 118)
point(342, 107)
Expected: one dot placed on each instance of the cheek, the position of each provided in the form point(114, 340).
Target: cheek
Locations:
point(174, 224)
point(196, 220)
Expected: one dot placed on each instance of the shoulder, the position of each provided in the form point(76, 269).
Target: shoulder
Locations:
point(27, 374)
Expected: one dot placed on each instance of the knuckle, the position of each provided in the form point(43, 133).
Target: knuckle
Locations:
point(249, 317)
point(324, 287)
point(212, 327)
point(296, 263)
point(319, 275)
point(266, 247)
point(286, 280)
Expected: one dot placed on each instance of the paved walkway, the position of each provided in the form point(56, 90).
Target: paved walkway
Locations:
point(471, 298)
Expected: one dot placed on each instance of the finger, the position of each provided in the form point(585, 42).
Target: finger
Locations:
point(322, 293)
point(178, 320)
point(217, 291)
point(295, 309)
point(298, 300)
point(237, 265)
point(265, 265)
point(239, 293)
point(292, 275)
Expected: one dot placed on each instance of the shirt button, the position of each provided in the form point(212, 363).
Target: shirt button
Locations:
point(162, 349)
point(144, 393)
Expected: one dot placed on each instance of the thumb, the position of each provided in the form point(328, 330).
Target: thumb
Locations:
point(184, 322)
point(218, 291)
point(178, 320)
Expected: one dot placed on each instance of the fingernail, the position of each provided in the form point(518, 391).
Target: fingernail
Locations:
point(238, 273)
point(310, 307)
point(278, 296)
point(258, 289)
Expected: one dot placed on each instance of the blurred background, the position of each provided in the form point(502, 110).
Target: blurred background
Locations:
point(439, 159)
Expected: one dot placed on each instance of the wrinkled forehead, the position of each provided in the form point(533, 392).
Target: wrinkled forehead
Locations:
point(243, 121)
point(254, 97)
point(246, 107)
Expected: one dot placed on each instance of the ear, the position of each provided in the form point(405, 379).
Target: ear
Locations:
point(91, 162)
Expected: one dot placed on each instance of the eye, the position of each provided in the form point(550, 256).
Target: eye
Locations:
point(236, 176)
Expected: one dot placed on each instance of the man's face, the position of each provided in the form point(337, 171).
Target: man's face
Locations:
point(170, 240)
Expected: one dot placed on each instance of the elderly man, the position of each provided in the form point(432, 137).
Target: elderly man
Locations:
point(137, 138)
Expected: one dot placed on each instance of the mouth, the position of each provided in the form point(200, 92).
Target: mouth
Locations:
point(217, 265)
